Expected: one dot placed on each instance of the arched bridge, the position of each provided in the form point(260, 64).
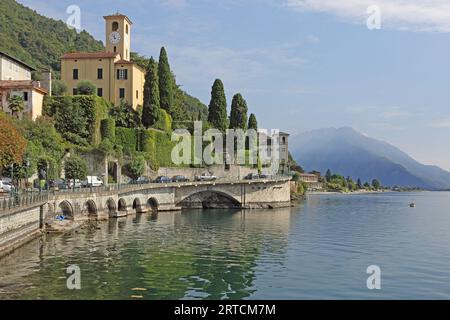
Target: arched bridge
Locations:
point(24, 217)
point(116, 201)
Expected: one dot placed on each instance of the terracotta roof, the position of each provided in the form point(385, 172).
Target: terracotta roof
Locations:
point(17, 60)
point(89, 55)
point(131, 62)
point(118, 15)
point(124, 62)
point(14, 84)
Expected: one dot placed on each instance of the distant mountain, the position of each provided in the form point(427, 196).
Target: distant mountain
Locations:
point(350, 153)
point(38, 40)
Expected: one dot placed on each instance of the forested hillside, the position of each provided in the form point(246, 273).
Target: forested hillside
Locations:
point(38, 40)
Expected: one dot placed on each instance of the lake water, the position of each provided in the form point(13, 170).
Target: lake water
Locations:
point(318, 250)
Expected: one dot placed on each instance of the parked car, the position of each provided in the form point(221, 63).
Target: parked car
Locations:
point(92, 181)
point(141, 180)
point(252, 176)
point(59, 184)
point(78, 183)
point(180, 178)
point(6, 186)
point(206, 176)
point(163, 179)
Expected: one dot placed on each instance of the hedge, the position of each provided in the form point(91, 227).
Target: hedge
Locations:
point(93, 109)
point(127, 138)
point(157, 148)
point(108, 129)
point(164, 121)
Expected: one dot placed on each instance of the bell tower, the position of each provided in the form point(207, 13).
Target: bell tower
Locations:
point(118, 35)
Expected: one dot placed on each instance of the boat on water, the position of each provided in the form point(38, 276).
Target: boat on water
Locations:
point(412, 205)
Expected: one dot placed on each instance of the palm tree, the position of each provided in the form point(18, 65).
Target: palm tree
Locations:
point(16, 104)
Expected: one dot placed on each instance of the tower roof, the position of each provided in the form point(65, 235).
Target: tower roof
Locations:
point(118, 16)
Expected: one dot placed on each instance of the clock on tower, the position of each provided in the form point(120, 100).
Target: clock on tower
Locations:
point(118, 35)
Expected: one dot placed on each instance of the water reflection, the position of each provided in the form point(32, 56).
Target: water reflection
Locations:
point(204, 254)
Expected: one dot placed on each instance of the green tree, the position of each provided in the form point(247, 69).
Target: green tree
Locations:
point(166, 82)
point(328, 176)
point(252, 123)
point(59, 88)
point(71, 122)
point(87, 88)
point(376, 184)
point(151, 95)
point(75, 168)
point(217, 112)
point(359, 184)
point(16, 104)
point(238, 114)
point(178, 110)
point(125, 115)
point(351, 184)
point(136, 167)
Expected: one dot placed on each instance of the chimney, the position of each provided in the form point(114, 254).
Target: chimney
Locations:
point(46, 82)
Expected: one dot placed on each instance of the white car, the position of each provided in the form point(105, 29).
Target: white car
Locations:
point(93, 181)
point(205, 177)
point(6, 186)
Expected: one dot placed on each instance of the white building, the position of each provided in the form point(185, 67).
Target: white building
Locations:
point(13, 69)
point(15, 80)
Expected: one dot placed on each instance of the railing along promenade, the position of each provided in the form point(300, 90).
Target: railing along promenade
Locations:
point(25, 199)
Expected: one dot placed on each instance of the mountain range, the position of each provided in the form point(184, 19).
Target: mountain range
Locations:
point(350, 153)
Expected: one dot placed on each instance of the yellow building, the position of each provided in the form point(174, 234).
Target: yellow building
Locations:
point(115, 76)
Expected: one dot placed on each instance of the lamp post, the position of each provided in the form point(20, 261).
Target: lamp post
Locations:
point(12, 179)
point(27, 165)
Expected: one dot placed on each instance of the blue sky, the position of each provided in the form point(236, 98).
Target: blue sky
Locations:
point(304, 64)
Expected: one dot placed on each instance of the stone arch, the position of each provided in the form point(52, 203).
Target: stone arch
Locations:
point(111, 207)
point(153, 205)
point(137, 206)
point(209, 199)
point(90, 207)
point(122, 205)
point(65, 209)
point(115, 26)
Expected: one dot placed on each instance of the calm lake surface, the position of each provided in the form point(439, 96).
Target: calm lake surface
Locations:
point(318, 250)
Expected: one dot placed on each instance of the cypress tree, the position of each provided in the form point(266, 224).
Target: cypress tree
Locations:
point(252, 123)
point(328, 175)
point(217, 111)
point(238, 115)
point(166, 82)
point(151, 95)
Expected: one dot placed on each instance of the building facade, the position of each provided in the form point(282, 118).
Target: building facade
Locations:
point(15, 80)
point(116, 77)
point(311, 180)
point(13, 69)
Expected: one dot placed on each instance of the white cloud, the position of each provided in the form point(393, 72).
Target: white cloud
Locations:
point(410, 15)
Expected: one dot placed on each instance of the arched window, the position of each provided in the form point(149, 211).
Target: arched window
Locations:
point(126, 29)
point(284, 140)
point(115, 26)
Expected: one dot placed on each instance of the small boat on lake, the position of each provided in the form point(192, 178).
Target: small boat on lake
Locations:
point(412, 205)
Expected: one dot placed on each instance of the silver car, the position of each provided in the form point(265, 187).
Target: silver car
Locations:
point(6, 186)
